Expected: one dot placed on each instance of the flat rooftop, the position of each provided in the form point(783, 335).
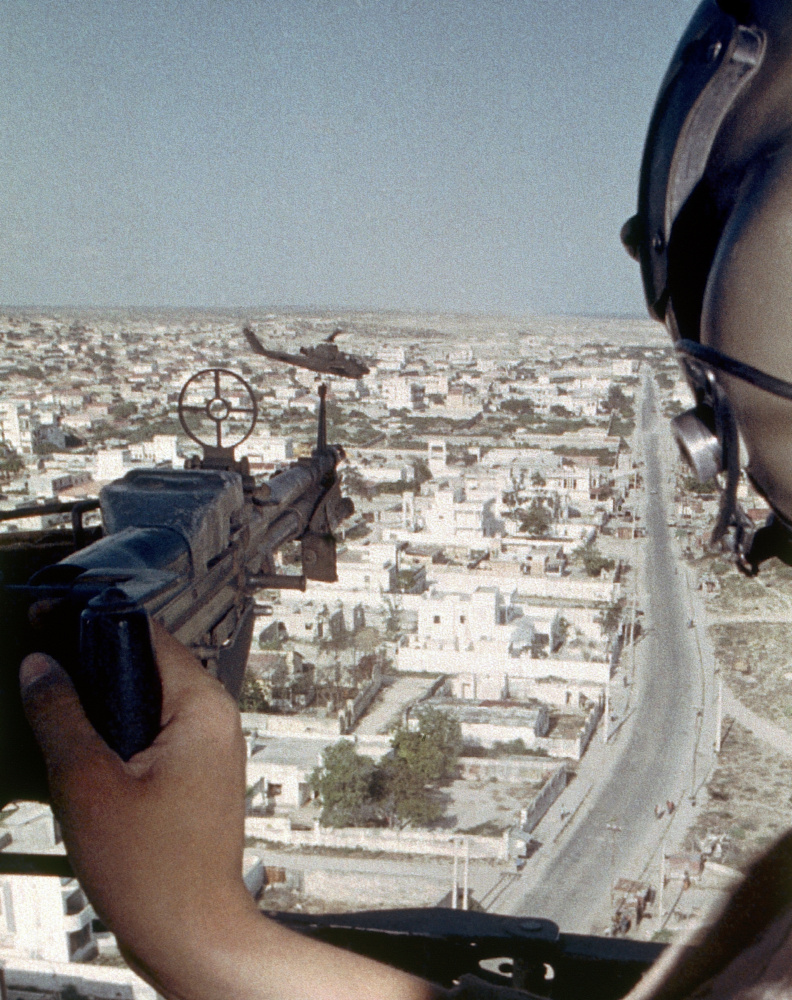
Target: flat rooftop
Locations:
point(293, 751)
point(502, 713)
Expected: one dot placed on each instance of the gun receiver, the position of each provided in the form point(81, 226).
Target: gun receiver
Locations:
point(188, 548)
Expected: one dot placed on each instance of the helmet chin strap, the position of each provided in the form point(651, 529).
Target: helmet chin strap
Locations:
point(727, 432)
point(751, 546)
point(731, 366)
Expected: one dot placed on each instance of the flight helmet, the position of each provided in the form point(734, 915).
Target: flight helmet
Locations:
point(713, 235)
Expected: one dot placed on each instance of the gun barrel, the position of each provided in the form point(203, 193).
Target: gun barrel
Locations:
point(291, 484)
point(285, 529)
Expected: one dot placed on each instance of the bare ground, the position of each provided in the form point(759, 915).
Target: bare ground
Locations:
point(489, 807)
point(756, 659)
point(283, 900)
point(750, 627)
point(767, 594)
point(748, 798)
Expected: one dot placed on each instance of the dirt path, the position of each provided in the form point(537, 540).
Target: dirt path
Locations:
point(748, 619)
point(390, 701)
point(761, 728)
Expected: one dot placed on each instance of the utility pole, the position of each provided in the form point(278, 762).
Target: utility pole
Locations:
point(455, 883)
point(606, 712)
point(719, 723)
point(633, 616)
point(465, 890)
point(614, 828)
point(662, 883)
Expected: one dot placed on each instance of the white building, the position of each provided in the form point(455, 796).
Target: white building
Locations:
point(437, 458)
point(397, 393)
point(391, 357)
point(15, 429)
point(42, 917)
point(564, 683)
point(487, 644)
point(484, 724)
point(448, 516)
point(461, 355)
point(161, 450)
point(265, 451)
point(457, 621)
point(367, 569)
point(109, 465)
point(435, 385)
point(624, 367)
point(278, 773)
point(387, 473)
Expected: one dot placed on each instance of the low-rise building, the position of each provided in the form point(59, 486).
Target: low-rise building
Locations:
point(485, 723)
point(283, 679)
point(41, 917)
point(278, 773)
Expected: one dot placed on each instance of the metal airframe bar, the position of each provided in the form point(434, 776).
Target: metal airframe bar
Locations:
point(35, 864)
point(59, 507)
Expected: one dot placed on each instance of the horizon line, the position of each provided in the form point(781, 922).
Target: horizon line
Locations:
point(310, 308)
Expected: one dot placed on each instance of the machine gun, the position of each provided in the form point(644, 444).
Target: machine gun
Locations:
point(187, 547)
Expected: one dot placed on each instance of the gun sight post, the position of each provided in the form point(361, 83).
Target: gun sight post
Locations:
point(321, 430)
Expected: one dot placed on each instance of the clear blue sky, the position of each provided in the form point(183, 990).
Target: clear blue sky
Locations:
point(452, 155)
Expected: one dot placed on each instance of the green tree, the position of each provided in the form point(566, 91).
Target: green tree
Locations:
point(672, 408)
point(421, 473)
point(592, 559)
point(692, 485)
point(344, 781)
point(406, 782)
point(391, 611)
point(10, 461)
point(536, 521)
point(561, 634)
point(539, 644)
point(522, 406)
point(122, 410)
point(611, 617)
point(354, 483)
point(515, 496)
point(254, 695)
point(403, 797)
point(616, 400)
point(432, 750)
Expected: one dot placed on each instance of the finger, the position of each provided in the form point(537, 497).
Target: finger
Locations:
point(183, 676)
point(67, 739)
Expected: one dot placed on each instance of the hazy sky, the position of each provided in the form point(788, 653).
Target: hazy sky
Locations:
point(470, 155)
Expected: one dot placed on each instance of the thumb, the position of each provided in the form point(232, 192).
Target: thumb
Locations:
point(66, 737)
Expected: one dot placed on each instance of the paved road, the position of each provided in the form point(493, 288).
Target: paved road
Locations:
point(652, 759)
